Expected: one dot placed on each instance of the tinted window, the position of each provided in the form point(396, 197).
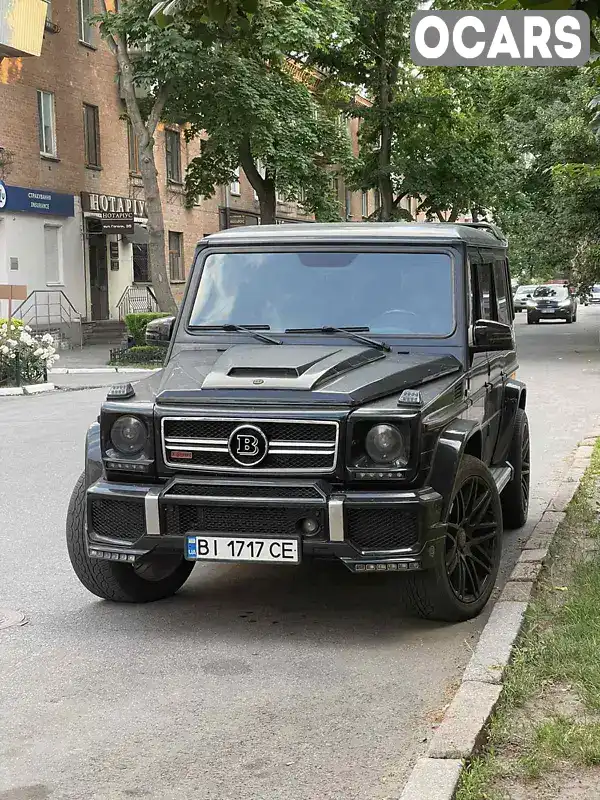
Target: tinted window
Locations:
point(482, 289)
point(501, 290)
point(393, 293)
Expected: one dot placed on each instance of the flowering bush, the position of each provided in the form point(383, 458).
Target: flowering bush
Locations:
point(24, 358)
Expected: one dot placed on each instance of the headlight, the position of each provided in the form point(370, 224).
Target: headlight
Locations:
point(129, 435)
point(564, 303)
point(385, 444)
point(531, 304)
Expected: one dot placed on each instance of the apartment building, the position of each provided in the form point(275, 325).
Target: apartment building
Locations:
point(69, 159)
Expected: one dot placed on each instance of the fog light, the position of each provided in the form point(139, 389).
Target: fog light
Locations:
point(309, 526)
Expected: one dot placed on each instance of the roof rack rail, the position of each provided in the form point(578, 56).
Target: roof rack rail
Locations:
point(489, 226)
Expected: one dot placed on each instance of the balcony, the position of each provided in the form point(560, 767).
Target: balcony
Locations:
point(21, 27)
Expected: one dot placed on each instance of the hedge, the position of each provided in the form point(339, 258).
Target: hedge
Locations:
point(145, 354)
point(136, 325)
point(18, 323)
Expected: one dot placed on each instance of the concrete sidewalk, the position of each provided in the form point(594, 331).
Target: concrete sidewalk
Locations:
point(91, 355)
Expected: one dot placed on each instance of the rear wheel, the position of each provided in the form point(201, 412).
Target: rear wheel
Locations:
point(459, 585)
point(515, 497)
point(153, 578)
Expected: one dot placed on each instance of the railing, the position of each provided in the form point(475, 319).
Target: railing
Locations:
point(137, 300)
point(51, 311)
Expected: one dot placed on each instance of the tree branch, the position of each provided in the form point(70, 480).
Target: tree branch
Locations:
point(157, 109)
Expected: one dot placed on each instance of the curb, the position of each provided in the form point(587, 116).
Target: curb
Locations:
point(36, 388)
point(98, 370)
point(463, 727)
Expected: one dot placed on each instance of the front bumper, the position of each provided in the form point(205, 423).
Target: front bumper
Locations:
point(366, 530)
point(549, 313)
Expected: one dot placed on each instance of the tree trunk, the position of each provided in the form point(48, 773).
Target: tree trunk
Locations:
point(474, 215)
point(265, 187)
point(145, 134)
point(388, 75)
point(453, 214)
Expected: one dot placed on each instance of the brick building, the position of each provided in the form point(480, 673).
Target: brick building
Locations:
point(69, 156)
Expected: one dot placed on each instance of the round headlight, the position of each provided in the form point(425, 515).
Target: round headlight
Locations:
point(129, 435)
point(385, 444)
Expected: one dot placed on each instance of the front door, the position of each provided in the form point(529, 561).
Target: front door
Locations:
point(98, 276)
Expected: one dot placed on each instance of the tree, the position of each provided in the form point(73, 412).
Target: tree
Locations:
point(149, 58)
point(259, 113)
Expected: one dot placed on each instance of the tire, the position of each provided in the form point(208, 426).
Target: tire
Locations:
point(569, 319)
point(532, 320)
point(433, 594)
point(121, 583)
point(515, 497)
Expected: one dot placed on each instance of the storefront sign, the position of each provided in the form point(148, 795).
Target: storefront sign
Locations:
point(113, 205)
point(36, 201)
point(115, 222)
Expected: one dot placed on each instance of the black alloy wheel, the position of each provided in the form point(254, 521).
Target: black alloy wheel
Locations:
point(471, 540)
point(467, 557)
point(515, 497)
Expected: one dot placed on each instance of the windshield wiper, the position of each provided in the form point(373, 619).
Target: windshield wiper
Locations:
point(253, 330)
point(351, 333)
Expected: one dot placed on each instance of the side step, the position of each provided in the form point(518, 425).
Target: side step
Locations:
point(502, 475)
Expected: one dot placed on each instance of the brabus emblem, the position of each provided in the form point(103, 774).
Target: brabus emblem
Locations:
point(248, 445)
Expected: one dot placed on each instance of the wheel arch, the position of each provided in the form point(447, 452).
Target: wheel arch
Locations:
point(461, 437)
point(515, 397)
point(93, 455)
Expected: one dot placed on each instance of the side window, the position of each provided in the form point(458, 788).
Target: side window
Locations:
point(483, 297)
point(502, 291)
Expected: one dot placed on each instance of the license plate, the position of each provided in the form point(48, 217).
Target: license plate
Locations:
point(547, 311)
point(243, 548)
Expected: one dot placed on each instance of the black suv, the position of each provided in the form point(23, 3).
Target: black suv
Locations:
point(329, 391)
point(551, 302)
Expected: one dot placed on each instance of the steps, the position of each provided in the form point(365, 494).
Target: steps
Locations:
point(107, 332)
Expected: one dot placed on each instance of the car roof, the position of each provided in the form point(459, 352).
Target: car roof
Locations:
point(360, 232)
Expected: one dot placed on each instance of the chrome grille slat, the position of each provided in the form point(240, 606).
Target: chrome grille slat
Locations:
point(315, 452)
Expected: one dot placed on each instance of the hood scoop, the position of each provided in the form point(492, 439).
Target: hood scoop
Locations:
point(289, 367)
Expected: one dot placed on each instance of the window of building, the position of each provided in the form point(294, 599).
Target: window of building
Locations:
point(365, 204)
point(47, 123)
point(86, 9)
point(52, 255)
point(176, 256)
point(173, 152)
point(234, 186)
point(91, 132)
point(141, 273)
point(135, 155)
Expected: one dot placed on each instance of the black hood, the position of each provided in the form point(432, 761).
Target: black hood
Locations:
point(295, 374)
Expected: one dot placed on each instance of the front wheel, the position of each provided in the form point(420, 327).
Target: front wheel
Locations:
point(569, 319)
point(154, 578)
point(467, 559)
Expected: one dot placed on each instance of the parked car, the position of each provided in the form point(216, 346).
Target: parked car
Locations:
point(595, 295)
point(521, 295)
point(329, 391)
point(551, 302)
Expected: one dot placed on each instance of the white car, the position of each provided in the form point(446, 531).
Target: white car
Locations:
point(521, 295)
point(595, 294)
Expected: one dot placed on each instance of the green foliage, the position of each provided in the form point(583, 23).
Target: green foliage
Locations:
point(136, 325)
point(16, 323)
point(143, 354)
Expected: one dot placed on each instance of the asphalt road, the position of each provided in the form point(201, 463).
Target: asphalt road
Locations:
point(252, 683)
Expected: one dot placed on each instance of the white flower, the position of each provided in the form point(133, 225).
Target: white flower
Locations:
point(47, 338)
point(26, 338)
point(40, 352)
point(27, 328)
point(4, 350)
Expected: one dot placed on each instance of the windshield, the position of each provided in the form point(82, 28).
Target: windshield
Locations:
point(596, 289)
point(394, 293)
point(553, 292)
point(524, 290)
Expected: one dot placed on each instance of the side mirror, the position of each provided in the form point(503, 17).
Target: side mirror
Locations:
point(159, 331)
point(528, 295)
point(491, 335)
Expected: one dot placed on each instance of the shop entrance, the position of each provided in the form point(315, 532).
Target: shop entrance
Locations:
point(98, 269)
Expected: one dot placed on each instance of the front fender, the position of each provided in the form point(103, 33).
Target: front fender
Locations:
point(94, 467)
point(447, 456)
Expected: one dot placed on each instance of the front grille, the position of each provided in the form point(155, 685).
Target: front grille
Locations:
point(298, 446)
point(381, 528)
point(245, 490)
point(257, 520)
point(118, 519)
